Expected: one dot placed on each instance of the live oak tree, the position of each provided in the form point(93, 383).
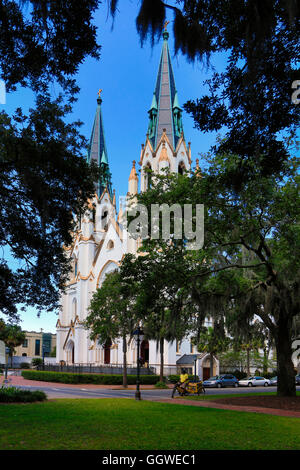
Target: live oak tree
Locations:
point(44, 182)
point(43, 41)
point(261, 218)
point(161, 303)
point(250, 101)
point(112, 315)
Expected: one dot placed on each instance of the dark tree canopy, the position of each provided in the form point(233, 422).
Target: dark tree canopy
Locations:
point(251, 99)
point(44, 178)
point(44, 181)
point(42, 41)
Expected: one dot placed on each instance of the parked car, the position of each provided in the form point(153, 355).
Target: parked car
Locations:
point(226, 380)
point(297, 379)
point(273, 381)
point(254, 381)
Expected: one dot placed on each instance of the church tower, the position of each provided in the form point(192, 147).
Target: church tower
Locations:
point(165, 145)
point(97, 249)
point(97, 151)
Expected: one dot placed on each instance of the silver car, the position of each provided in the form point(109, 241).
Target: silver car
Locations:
point(273, 380)
point(254, 381)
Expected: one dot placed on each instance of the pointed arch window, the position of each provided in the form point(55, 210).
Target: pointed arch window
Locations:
point(104, 218)
point(110, 245)
point(148, 181)
point(181, 168)
point(75, 267)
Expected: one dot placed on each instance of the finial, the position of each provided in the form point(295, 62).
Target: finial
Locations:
point(165, 32)
point(133, 175)
point(198, 172)
point(99, 99)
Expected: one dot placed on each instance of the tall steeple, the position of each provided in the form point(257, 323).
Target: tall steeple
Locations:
point(97, 151)
point(165, 112)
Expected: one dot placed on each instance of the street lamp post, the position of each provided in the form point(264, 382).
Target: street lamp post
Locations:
point(139, 337)
point(43, 355)
point(6, 366)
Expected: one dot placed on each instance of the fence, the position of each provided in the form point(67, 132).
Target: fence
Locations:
point(18, 360)
point(92, 369)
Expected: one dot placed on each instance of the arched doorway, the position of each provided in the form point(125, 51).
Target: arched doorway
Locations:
point(206, 371)
point(145, 352)
point(70, 352)
point(106, 348)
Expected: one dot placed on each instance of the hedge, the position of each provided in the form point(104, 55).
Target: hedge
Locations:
point(72, 378)
point(16, 395)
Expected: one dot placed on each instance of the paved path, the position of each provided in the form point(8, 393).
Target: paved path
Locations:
point(149, 392)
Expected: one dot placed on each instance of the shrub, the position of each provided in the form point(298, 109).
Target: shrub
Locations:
point(25, 365)
point(73, 378)
point(160, 385)
point(37, 361)
point(16, 395)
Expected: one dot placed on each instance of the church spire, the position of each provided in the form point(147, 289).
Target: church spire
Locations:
point(97, 151)
point(165, 112)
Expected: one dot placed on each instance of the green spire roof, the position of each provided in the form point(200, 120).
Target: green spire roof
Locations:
point(154, 102)
point(165, 112)
point(97, 151)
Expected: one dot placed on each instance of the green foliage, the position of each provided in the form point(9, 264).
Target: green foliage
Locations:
point(36, 361)
point(16, 395)
point(251, 100)
point(37, 42)
point(43, 172)
point(12, 335)
point(249, 265)
point(160, 385)
point(110, 313)
point(68, 377)
point(25, 365)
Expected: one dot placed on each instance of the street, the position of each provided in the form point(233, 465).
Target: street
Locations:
point(154, 394)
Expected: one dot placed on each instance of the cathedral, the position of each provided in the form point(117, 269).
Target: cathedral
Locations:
point(101, 242)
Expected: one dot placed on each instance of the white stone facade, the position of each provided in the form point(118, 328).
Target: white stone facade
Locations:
point(101, 242)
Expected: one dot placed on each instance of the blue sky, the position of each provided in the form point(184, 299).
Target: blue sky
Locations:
point(127, 74)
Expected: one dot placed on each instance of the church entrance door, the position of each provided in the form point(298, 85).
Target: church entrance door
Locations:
point(107, 347)
point(145, 352)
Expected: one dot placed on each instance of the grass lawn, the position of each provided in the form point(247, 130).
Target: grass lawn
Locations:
point(227, 395)
point(111, 424)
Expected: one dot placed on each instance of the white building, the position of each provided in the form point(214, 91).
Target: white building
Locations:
point(2, 353)
point(101, 242)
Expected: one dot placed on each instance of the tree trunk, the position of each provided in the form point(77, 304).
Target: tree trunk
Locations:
point(161, 347)
point(211, 361)
point(265, 361)
point(286, 374)
point(125, 383)
point(248, 362)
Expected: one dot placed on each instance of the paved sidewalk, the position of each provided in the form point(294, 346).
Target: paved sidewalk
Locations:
point(19, 381)
point(250, 409)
